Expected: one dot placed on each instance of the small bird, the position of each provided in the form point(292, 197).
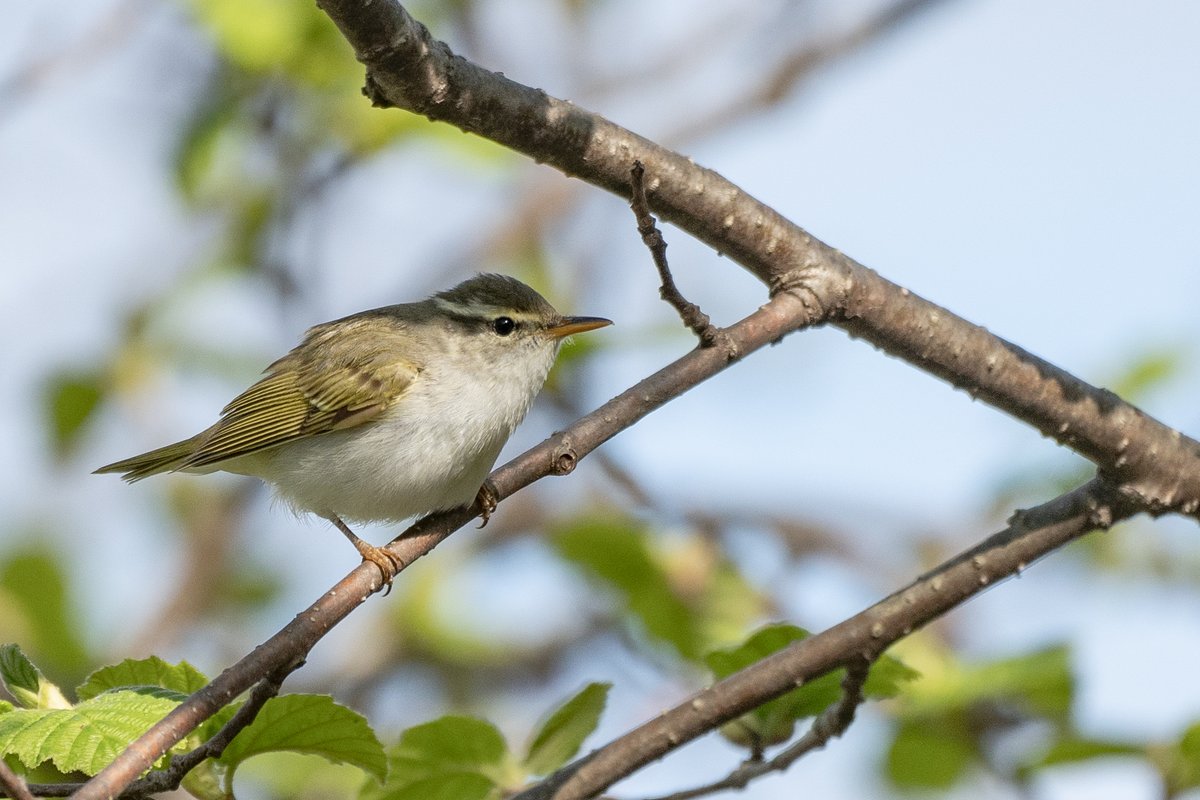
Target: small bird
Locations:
point(389, 413)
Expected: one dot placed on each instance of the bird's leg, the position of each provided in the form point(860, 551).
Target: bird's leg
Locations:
point(487, 500)
point(388, 564)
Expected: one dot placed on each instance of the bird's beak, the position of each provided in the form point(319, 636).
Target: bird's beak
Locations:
point(568, 326)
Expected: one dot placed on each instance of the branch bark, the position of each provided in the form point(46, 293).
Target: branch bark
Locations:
point(1144, 465)
point(1149, 462)
point(557, 455)
point(1030, 535)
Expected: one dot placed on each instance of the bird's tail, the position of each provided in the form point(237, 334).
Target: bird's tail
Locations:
point(164, 459)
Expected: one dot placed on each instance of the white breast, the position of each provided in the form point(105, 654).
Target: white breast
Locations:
point(431, 451)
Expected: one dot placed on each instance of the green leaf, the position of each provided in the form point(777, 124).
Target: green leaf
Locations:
point(1180, 763)
point(26, 683)
point(84, 738)
point(181, 678)
point(274, 36)
point(38, 611)
point(206, 781)
point(929, 756)
point(452, 743)
point(1039, 683)
point(1149, 371)
point(560, 736)
point(211, 144)
point(1073, 750)
point(888, 677)
point(446, 755)
point(69, 398)
point(310, 724)
point(1042, 680)
point(455, 786)
point(774, 721)
point(615, 551)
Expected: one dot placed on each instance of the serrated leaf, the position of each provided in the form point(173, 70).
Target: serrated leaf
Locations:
point(69, 398)
point(560, 736)
point(26, 683)
point(84, 738)
point(311, 724)
point(615, 551)
point(181, 678)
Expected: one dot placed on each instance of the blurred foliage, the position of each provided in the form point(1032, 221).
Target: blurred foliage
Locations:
point(688, 597)
point(280, 118)
point(36, 608)
point(956, 718)
point(774, 722)
point(462, 757)
point(1136, 548)
point(69, 398)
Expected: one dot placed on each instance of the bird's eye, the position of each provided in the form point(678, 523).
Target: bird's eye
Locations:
point(504, 325)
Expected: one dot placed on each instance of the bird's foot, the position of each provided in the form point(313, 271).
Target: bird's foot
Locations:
point(487, 500)
point(388, 563)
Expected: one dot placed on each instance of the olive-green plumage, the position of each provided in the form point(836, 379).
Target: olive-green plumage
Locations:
point(388, 413)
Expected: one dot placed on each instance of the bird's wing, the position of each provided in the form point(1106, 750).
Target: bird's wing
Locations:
point(340, 377)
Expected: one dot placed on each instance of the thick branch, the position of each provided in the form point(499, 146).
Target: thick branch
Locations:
point(557, 455)
point(1151, 463)
point(1030, 535)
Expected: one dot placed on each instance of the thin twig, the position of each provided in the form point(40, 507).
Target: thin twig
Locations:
point(832, 723)
point(557, 455)
point(1150, 463)
point(689, 312)
point(1030, 535)
point(179, 766)
point(169, 778)
point(12, 783)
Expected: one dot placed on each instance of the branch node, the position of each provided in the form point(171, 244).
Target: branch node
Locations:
point(566, 461)
point(798, 282)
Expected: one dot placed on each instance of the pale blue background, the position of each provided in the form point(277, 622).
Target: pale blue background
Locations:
point(1031, 166)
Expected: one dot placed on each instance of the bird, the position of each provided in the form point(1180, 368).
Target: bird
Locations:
point(387, 414)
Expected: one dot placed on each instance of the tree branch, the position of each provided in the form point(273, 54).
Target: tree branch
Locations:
point(833, 722)
point(557, 455)
point(11, 783)
point(1030, 535)
point(1149, 462)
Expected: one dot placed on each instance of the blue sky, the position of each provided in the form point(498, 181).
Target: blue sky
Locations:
point(1034, 167)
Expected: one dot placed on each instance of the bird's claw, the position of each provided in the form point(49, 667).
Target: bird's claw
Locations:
point(389, 565)
point(487, 499)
